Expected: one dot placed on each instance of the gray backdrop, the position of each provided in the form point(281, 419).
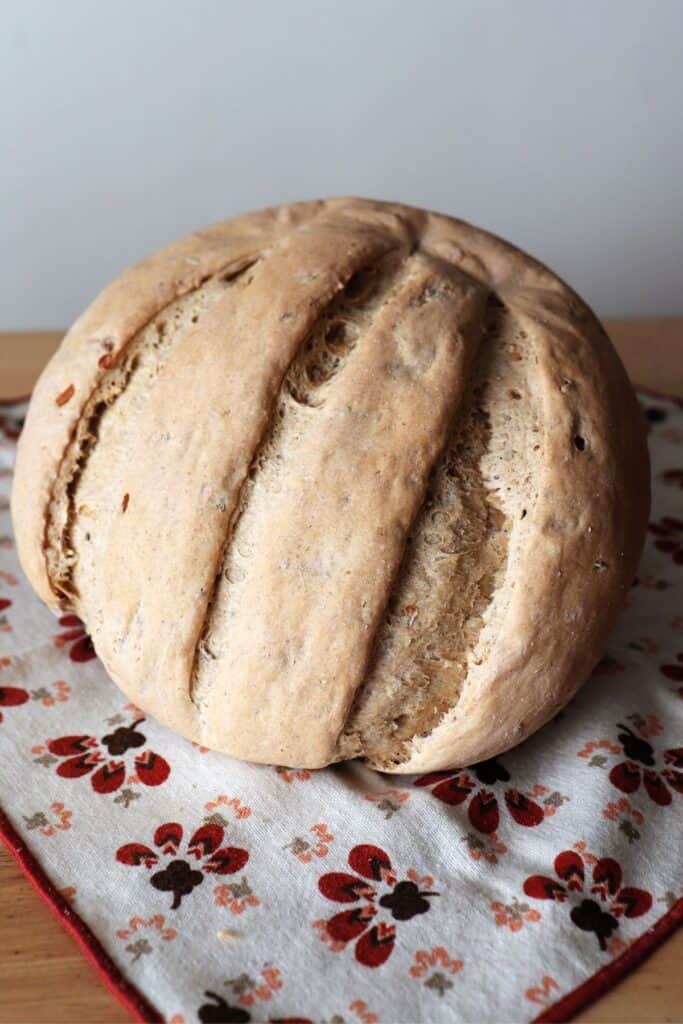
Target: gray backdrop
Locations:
point(556, 123)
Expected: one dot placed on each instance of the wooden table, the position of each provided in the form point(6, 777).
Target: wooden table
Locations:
point(44, 979)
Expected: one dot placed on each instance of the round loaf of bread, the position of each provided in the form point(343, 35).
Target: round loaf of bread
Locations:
point(338, 479)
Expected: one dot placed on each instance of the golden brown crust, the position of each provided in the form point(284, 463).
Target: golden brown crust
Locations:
point(587, 529)
point(96, 339)
point(231, 522)
point(350, 477)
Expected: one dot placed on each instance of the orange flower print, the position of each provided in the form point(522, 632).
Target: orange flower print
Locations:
point(236, 896)
point(438, 980)
point(628, 817)
point(389, 800)
point(60, 820)
point(151, 928)
point(48, 696)
point(305, 850)
point(248, 989)
point(239, 810)
point(360, 1008)
point(513, 915)
point(289, 776)
point(542, 994)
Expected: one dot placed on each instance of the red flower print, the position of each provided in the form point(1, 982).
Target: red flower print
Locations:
point(673, 477)
point(4, 623)
point(674, 671)
point(105, 758)
point(178, 876)
point(669, 537)
point(11, 697)
point(374, 939)
point(589, 915)
point(75, 635)
point(640, 768)
point(483, 810)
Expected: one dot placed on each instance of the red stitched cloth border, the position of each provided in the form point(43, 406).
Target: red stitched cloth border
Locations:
point(133, 1001)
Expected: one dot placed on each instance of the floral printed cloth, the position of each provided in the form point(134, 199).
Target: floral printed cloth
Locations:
point(221, 891)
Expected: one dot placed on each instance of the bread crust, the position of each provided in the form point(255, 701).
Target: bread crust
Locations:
point(231, 526)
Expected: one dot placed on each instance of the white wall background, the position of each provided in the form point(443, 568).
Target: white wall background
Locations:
point(556, 123)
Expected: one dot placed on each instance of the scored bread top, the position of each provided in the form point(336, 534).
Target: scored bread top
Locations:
point(338, 479)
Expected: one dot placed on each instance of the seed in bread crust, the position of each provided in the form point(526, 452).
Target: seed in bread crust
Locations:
point(64, 396)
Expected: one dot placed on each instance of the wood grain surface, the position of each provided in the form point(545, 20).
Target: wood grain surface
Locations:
point(44, 979)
